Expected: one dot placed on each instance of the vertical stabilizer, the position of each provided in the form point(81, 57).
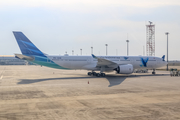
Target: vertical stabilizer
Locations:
point(26, 46)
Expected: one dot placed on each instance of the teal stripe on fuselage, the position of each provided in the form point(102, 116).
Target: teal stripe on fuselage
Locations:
point(48, 64)
point(45, 61)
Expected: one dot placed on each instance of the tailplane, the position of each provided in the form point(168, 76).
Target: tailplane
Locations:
point(26, 46)
point(23, 57)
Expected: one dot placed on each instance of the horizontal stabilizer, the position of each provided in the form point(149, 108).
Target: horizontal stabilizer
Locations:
point(23, 57)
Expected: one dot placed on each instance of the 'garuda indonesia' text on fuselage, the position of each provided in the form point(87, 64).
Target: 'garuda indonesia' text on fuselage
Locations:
point(121, 64)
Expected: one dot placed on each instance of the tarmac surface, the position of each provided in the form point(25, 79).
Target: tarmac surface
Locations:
point(40, 93)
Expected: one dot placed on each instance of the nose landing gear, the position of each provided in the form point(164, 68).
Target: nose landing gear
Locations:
point(153, 72)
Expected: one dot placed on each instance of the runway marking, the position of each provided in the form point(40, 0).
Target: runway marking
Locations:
point(2, 73)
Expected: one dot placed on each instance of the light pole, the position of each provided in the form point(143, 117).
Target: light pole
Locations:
point(72, 52)
point(81, 51)
point(91, 50)
point(143, 51)
point(127, 47)
point(167, 49)
point(106, 48)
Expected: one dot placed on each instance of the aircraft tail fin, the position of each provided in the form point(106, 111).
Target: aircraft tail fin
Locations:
point(163, 57)
point(26, 46)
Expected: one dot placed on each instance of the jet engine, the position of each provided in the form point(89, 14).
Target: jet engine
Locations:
point(124, 69)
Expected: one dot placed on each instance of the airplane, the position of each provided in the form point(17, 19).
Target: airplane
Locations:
point(120, 64)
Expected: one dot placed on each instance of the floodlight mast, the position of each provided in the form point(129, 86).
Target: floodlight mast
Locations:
point(127, 47)
point(150, 39)
point(167, 33)
point(150, 22)
point(72, 52)
point(91, 50)
point(106, 48)
point(81, 51)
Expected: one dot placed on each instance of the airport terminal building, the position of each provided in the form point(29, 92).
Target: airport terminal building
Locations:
point(174, 63)
point(11, 60)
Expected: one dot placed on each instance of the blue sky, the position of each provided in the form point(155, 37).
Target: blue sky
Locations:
point(56, 26)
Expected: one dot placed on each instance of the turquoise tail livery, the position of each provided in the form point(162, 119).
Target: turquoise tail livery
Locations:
point(31, 53)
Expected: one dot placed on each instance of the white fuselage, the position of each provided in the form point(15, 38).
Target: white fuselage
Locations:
point(90, 63)
point(121, 64)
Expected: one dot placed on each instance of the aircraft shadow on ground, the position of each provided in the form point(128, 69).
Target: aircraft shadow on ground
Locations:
point(112, 78)
point(117, 80)
point(30, 81)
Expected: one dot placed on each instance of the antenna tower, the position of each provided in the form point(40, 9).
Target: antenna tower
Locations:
point(150, 39)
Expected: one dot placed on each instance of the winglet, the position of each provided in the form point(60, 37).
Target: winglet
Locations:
point(94, 56)
point(163, 57)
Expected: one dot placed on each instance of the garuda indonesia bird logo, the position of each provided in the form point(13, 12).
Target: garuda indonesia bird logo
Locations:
point(144, 62)
point(126, 58)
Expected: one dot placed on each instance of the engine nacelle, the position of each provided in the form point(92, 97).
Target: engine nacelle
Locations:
point(125, 69)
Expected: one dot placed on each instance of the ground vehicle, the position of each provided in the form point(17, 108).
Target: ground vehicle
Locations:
point(174, 72)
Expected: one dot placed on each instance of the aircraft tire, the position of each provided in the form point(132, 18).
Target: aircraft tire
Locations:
point(98, 75)
point(94, 73)
point(103, 74)
point(89, 73)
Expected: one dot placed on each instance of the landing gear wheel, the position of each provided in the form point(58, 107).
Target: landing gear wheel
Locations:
point(153, 72)
point(94, 73)
point(98, 75)
point(103, 74)
point(89, 73)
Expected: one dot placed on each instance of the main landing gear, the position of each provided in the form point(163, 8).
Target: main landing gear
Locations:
point(153, 72)
point(97, 74)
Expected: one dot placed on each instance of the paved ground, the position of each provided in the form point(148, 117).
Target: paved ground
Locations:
point(40, 93)
point(174, 67)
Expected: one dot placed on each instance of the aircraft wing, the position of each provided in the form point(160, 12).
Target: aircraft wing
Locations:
point(104, 62)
